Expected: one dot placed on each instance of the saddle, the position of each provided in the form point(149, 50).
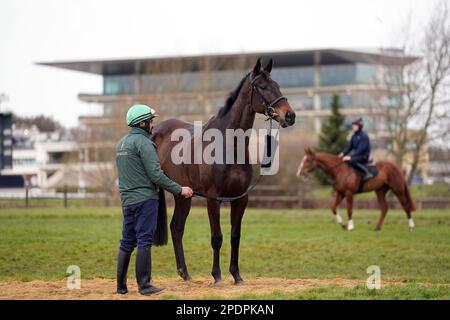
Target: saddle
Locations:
point(372, 168)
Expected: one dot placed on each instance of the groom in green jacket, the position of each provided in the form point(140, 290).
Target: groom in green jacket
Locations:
point(140, 177)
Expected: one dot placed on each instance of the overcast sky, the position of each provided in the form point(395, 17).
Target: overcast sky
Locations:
point(60, 30)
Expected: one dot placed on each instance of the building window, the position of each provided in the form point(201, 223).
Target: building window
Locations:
point(346, 101)
point(337, 75)
point(116, 85)
point(294, 77)
point(365, 73)
point(358, 100)
point(24, 162)
point(394, 101)
point(301, 102)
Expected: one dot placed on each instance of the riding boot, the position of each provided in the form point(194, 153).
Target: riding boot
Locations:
point(365, 173)
point(123, 260)
point(143, 271)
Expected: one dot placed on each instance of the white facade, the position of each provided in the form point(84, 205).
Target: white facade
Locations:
point(38, 156)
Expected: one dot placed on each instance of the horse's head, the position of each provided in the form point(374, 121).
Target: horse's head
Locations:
point(308, 164)
point(267, 98)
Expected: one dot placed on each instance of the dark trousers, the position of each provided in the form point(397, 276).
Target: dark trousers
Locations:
point(359, 164)
point(139, 224)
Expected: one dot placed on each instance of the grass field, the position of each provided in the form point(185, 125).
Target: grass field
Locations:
point(285, 244)
point(433, 191)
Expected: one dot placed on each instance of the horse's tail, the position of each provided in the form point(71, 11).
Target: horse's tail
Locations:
point(161, 233)
point(409, 200)
point(399, 186)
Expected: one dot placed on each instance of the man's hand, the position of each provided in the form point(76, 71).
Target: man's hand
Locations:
point(186, 192)
point(346, 158)
point(341, 155)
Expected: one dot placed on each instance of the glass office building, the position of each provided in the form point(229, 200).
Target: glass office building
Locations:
point(195, 87)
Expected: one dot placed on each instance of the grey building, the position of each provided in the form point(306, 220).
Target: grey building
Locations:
point(194, 87)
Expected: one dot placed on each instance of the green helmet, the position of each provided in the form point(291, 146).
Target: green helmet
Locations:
point(138, 113)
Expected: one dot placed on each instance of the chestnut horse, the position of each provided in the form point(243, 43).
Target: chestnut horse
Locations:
point(256, 93)
point(346, 182)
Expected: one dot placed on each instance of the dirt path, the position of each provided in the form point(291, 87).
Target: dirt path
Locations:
point(197, 288)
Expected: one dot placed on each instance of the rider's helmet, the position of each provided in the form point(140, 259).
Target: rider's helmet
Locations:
point(359, 122)
point(138, 113)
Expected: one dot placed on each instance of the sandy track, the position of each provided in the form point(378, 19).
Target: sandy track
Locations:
point(195, 289)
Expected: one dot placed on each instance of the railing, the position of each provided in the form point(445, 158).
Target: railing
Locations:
point(264, 196)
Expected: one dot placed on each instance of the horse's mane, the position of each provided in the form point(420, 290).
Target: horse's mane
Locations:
point(327, 156)
point(231, 98)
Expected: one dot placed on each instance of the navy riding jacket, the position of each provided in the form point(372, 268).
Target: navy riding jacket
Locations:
point(359, 147)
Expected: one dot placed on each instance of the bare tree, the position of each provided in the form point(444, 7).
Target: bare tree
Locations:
point(419, 90)
point(95, 160)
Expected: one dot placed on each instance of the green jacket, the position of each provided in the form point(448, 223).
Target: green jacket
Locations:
point(139, 171)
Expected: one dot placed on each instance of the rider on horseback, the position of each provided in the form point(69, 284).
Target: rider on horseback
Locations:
point(357, 152)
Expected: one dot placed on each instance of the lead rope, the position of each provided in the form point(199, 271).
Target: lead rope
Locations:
point(250, 188)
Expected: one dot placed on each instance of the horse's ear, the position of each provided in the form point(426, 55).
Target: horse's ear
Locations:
point(268, 67)
point(257, 67)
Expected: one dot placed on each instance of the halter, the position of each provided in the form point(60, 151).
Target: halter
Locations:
point(269, 106)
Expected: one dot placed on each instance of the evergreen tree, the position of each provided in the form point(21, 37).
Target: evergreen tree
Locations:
point(333, 136)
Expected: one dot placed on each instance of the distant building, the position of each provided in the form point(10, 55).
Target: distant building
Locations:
point(194, 87)
point(439, 166)
point(37, 157)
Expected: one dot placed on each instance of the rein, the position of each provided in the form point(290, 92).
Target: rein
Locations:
point(229, 199)
point(333, 182)
point(270, 113)
point(337, 182)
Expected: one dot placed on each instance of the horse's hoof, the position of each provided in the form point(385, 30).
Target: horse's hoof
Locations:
point(344, 227)
point(377, 229)
point(238, 281)
point(187, 278)
point(184, 275)
point(411, 229)
point(217, 281)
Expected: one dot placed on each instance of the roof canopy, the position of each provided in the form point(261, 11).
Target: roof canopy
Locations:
point(234, 61)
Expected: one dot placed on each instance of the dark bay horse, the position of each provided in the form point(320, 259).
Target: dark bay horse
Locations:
point(256, 93)
point(346, 184)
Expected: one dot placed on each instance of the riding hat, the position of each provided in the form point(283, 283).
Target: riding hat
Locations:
point(359, 122)
point(138, 113)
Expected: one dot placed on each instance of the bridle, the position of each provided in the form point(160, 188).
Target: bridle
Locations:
point(269, 106)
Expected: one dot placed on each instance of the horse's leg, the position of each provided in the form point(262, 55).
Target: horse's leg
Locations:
point(216, 237)
point(182, 207)
point(411, 224)
point(349, 199)
point(381, 195)
point(237, 212)
point(339, 197)
point(400, 194)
